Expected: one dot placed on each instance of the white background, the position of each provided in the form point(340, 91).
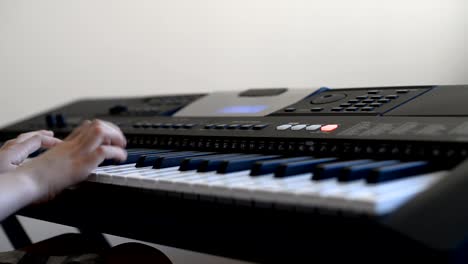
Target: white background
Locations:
point(54, 51)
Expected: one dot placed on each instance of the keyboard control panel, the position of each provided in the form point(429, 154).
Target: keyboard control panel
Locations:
point(358, 101)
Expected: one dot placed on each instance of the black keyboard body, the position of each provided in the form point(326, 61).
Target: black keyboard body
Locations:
point(424, 123)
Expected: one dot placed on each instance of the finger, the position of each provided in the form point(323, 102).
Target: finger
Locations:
point(99, 133)
point(25, 136)
point(78, 130)
point(21, 151)
point(8, 143)
point(112, 125)
point(116, 128)
point(50, 142)
point(107, 152)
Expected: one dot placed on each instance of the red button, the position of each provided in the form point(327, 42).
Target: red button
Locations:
point(328, 128)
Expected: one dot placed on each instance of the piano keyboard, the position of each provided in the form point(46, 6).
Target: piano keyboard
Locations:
point(365, 186)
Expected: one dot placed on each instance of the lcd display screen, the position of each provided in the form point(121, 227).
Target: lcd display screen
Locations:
point(242, 109)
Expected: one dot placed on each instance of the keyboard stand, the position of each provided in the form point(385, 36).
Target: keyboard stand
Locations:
point(15, 232)
point(19, 238)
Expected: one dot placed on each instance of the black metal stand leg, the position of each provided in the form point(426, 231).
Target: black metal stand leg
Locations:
point(96, 237)
point(15, 232)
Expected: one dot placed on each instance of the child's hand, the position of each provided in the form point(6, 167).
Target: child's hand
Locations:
point(15, 151)
point(72, 160)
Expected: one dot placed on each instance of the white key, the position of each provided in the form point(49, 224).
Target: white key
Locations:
point(121, 177)
point(108, 175)
point(185, 184)
point(208, 186)
point(141, 178)
point(384, 200)
point(267, 191)
point(148, 181)
point(188, 185)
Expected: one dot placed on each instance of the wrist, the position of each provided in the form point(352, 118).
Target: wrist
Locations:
point(17, 189)
point(30, 183)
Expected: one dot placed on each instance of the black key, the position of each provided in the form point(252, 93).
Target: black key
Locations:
point(149, 160)
point(398, 171)
point(139, 149)
point(134, 156)
point(331, 170)
point(241, 164)
point(37, 153)
point(107, 162)
point(357, 172)
point(299, 167)
point(130, 156)
point(194, 163)
point(172, 161)
point(146, 161)
point(213, 165)
point(269, 166)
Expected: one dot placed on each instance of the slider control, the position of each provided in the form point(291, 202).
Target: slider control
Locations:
point(50, 120)
point(60, 121)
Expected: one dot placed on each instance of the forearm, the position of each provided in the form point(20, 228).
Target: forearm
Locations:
point(17, 189)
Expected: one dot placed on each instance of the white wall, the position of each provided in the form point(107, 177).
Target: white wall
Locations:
point(53, 51)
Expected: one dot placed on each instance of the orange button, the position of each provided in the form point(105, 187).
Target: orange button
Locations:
point(328, 128)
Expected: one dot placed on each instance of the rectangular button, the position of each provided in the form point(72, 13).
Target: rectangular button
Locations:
point(298, 127)
point(313, 127)
point(283, 127)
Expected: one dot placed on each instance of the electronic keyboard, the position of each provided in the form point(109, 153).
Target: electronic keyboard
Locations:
point(278, 174)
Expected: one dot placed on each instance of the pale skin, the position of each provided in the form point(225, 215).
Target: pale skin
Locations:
point(66, 163)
